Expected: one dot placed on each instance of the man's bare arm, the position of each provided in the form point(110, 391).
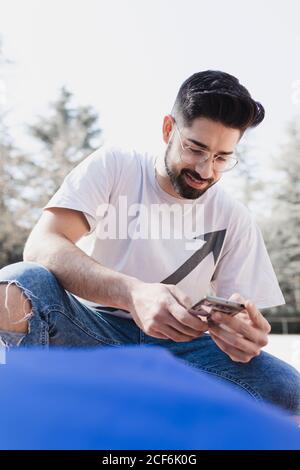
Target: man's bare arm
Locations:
point(160, 310)
point(52, 244)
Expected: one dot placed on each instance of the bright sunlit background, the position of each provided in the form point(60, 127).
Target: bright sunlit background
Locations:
point(128, 58)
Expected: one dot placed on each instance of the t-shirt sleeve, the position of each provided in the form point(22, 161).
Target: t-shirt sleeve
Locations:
point(88, 185)
point(246, 268)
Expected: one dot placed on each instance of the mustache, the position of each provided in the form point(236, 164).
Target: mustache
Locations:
point(197, 176)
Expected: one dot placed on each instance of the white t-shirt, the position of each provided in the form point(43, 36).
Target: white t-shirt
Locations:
point(216, 248)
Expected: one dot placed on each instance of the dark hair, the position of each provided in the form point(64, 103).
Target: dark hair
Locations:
point(218, 96)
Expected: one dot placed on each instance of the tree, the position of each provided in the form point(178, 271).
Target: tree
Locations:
point(27, 181)
point(283, 230)
point(245, 183)
point(67, 135)
point(12, 234)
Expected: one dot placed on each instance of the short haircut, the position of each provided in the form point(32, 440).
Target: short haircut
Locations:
point(218, 96)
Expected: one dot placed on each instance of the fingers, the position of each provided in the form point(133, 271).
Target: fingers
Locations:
point(169, 332)
point(156, 334)
point(182, 329)
point(234, 354)
point(172, 335)
point(244, 316)
point(179, 310)
point(166, 326)
point(185, 321)
point(257, 318)
point(255, 315)
point(234, 341)
point(176, 335)
point(240, 338)
point(242, 327)
point(180, 296)
point(236, 297)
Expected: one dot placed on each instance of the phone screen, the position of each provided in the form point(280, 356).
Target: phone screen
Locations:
point(210, 304)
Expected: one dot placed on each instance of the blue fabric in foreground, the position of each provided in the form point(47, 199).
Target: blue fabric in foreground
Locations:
point(128, 398)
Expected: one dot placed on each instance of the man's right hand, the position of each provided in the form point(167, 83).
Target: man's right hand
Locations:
point(161, 310)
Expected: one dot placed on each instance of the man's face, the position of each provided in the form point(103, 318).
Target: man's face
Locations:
point(188, 180)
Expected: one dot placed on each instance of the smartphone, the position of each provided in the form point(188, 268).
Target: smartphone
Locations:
point(209, 304)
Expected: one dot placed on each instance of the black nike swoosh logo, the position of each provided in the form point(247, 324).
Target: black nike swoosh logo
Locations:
point(214, 243)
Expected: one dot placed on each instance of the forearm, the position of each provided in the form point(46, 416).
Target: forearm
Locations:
point(80, 274)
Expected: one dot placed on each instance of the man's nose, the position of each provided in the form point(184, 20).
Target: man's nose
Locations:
point(205, 169)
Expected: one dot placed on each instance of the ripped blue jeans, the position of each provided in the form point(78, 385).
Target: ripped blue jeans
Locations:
point(57, 318)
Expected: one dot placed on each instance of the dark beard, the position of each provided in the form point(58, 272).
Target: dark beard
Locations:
point(179, 184)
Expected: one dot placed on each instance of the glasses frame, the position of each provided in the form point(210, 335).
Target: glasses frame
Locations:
point(184, 148)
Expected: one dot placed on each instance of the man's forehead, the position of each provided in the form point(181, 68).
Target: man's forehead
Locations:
point(206, 133)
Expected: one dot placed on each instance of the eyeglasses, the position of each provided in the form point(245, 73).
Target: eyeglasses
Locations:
point(192, 156)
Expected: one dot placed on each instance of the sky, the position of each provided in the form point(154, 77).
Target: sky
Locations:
point(128, 59)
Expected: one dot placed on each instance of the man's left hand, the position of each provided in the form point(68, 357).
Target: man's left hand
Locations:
point(242, 336)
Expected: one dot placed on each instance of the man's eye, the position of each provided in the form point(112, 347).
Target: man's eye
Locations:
point(197, 152)
point(222, 159)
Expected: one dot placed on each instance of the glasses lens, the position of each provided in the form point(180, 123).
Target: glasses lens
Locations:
point(224, 163)
point(221, 163)
point(192, 156)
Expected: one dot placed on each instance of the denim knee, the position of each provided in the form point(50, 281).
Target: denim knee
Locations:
point(291, 390)
point(37, 283)
point(44, 292)
point(282, 384)
point(27, 275)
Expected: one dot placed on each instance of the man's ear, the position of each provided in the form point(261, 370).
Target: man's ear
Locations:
point(168, 125)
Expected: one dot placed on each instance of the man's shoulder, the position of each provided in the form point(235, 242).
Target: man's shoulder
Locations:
point(115, 160)
point(229, 203)
point(235, 214)
point(120, 153)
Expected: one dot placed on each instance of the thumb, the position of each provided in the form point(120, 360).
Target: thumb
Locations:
point(257, 318)
point(236, 297)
